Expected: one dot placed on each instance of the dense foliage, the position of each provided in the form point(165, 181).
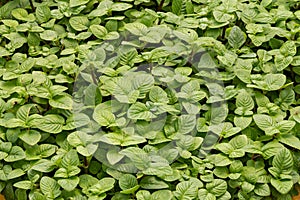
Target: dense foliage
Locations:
point(149, 100)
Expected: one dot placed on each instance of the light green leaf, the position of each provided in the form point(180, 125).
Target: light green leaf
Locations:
point(103, 185)
point(25, 185)
point(99, 31)
point(236, 37)
point(88, 150)
point(44, 165)
point(205, 195)
point(242, 122)
point(49, 187)
point(162, 195)
point(16, 153)
point(143, 195)
point(62, 102)
point(271, 149)
point(23, 112)
point(153, 183)
point(244, 100)
point(22, 14)
point(69, 184)
point(263, 121)
point(157, 94)
point(186, 124)
point(49, 35)
point(136, 28)
point(217, 187)
point(51, 123)
point(262, 190)
point(143, 83)
point(186, 190)
point(288, 48)
point(103, 117)
point(120, 6)
point(31, 137)
point(290, 140)
point(282, 186)
point(139, 111)
point(114, 156)
point(275, 81)
point(70, 159)
point(239, 142)
point(283, 161)
point(79, 23)
point(42, 13)
point(74, 3)
point(127, 181)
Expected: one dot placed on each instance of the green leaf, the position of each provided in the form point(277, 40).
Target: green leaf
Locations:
point(239, 142)
point(120, 6)
point(16, 153)
point(51, 123)
point(158, 95)
point(186, 124)
point(74, 3)
point(25, 185)
point(41, 151)
point(244, 100)
point(263, 121)
point(275, 81)
point(153, 183)
point(220, 160)
point(217, 187)
point(137, 28)
point(205, 195)
point(282, 186)
point(262, 190)
point(162, 195)
point(69, 184)
point(103, 185)
point(23, 112)
point(31, 137)
point(221, 16)
point(288, 48)
point(143, 83)
point(176, 6)
point(22, 14)
point(49, 187)
point(143, 195)
point(44, 165)
point(43, 13)
point(139, 111)
point(127, 181)
point(114, 157)
point(87, 150)
point(79, 23)
point(236, 37)
point(290, 140)
point(103, 117)
point(271, 149)
point(242, 122)
point(70, 159)
point(186, 190)
point(62, 102)
point(283, 161)
point(99, 31)
point(49, 35)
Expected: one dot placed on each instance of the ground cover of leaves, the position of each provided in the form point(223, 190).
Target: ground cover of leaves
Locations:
point(149, 100)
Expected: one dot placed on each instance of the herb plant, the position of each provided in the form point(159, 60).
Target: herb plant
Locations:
point(149, 100)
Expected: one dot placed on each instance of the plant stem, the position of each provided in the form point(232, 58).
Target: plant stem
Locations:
point(32, 7)
point(160, 5)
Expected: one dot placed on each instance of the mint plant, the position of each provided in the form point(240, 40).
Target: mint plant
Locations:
point(182, 99)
